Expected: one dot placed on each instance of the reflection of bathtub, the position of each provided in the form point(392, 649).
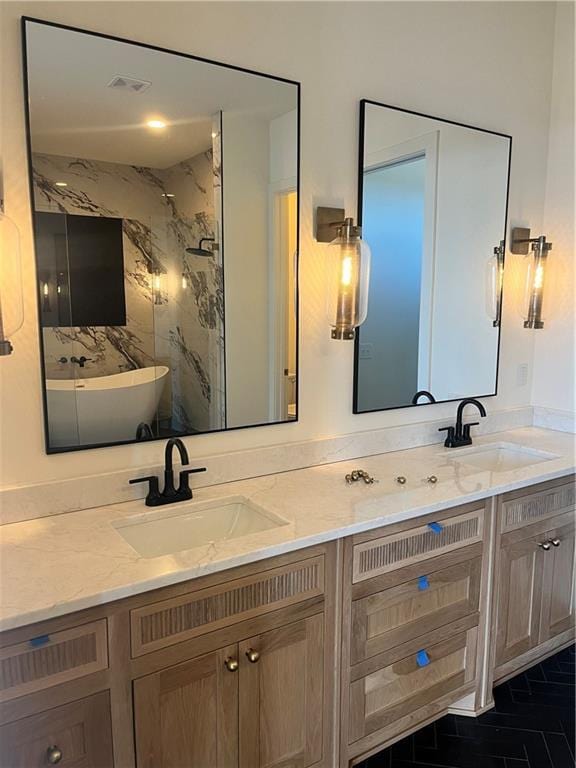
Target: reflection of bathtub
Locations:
point(105, 409)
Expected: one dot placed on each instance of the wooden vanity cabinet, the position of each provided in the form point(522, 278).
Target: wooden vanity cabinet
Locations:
point(534, 575)
point(188, 714)
point(412, 595)
point(259, 702)
point(76, 735)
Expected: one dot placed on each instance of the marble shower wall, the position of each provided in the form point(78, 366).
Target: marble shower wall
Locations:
point(178, 324)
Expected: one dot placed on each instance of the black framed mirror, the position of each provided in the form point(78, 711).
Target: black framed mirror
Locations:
point(432, 199)
point(165, 198)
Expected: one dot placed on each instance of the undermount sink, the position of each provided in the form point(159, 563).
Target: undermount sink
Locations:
point(195, 524)
point(499, 457)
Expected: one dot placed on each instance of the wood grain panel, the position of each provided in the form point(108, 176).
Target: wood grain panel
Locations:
point(161, 624)
point(523, 508)
point(187, 715)
point(395, 615)
point(402, 687)
point(282, 697)
point(520, 579)
point(558, 589)
point(49, 660)
point(80, 730)
point(387, 553)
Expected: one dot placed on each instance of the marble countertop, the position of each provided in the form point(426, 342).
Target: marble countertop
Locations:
point(55, 565)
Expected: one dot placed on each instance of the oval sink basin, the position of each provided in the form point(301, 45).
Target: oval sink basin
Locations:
point(195, 524)
point(499, 457)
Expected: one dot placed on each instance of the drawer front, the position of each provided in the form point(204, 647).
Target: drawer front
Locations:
point(172, 621)
point(410, 609)
point(401, 688)
point(52, 659)
point(523, 509)
point(79, 734)
point(378, 556)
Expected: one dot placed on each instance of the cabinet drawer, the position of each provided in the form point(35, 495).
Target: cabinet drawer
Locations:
point(521, 508)
point(384, 554)
point(410, 609)
point(59, 657)
point(172, 621)
point(80, 731)
point(381, 697)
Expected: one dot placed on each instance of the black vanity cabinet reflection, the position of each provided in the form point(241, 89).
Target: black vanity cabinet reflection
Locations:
point(80, 270)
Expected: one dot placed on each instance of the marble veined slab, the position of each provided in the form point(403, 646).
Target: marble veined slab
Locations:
point(55, 565)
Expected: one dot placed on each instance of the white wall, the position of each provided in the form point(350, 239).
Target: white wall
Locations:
point(554, 385)
point(488, 64)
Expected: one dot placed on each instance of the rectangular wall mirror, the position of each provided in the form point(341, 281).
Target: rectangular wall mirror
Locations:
point(432, 202)
point(165, 202)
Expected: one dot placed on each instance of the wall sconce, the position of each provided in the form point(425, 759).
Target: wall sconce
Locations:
point(157, 286)
point(348, 267)
point(522, 243)
point(11, 304)
point(494, 284)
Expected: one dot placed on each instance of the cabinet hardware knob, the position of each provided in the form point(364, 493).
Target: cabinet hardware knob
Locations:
point(53, 755)
point(544, 545)
point(432, 479)
point(231, 664)
point(555, 542)
point(401, 480)
point(252, 655)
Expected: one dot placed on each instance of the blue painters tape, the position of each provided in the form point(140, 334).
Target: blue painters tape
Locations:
point(423, 583)
point(436, 527)
point(40, 640)
point(422, 659)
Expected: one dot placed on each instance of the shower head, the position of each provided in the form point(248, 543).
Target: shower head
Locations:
point(203, 251)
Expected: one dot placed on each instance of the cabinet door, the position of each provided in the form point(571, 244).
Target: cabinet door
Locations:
point(519, 595)
point(281, 696)
point(187, 715)
point(558, 589)
point(76, 735)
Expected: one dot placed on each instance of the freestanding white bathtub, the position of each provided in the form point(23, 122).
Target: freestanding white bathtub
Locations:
point(105, 409)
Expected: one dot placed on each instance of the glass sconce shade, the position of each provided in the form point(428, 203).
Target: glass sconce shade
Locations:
point(348, 272)
point(11, 304)
point(535, 281)
point(494, 284)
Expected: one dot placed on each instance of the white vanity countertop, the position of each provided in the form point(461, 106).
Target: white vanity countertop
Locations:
point(55, 565)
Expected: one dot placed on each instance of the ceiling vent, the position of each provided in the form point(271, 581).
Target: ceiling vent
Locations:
point(121, 83)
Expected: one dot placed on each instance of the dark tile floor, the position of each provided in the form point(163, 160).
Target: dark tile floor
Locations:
point(531, 726)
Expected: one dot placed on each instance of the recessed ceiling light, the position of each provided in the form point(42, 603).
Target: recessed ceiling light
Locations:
point(156, 124)
point(61, 184)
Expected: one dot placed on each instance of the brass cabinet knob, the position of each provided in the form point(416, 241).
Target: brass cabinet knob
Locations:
point(555, 542)
point(231, 664)
point(401, 480)
point(544, 545)
point(432, 479)
point(53, 755)
point(252, 655)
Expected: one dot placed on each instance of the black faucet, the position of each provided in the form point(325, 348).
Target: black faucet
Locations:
point(170, 494)
point(423, 393)
point(80, 360)
point(459, 435)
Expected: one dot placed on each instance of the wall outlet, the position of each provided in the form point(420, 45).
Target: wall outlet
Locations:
point(365, 352)
point(522, 375)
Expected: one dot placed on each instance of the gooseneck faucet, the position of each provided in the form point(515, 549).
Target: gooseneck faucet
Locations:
point(423, 393)
point(170, 494)
point(459, 434)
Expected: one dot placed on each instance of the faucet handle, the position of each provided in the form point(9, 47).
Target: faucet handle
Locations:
point(449, 442)
point(466, 429)
point(153, 488)
point(184, 484)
